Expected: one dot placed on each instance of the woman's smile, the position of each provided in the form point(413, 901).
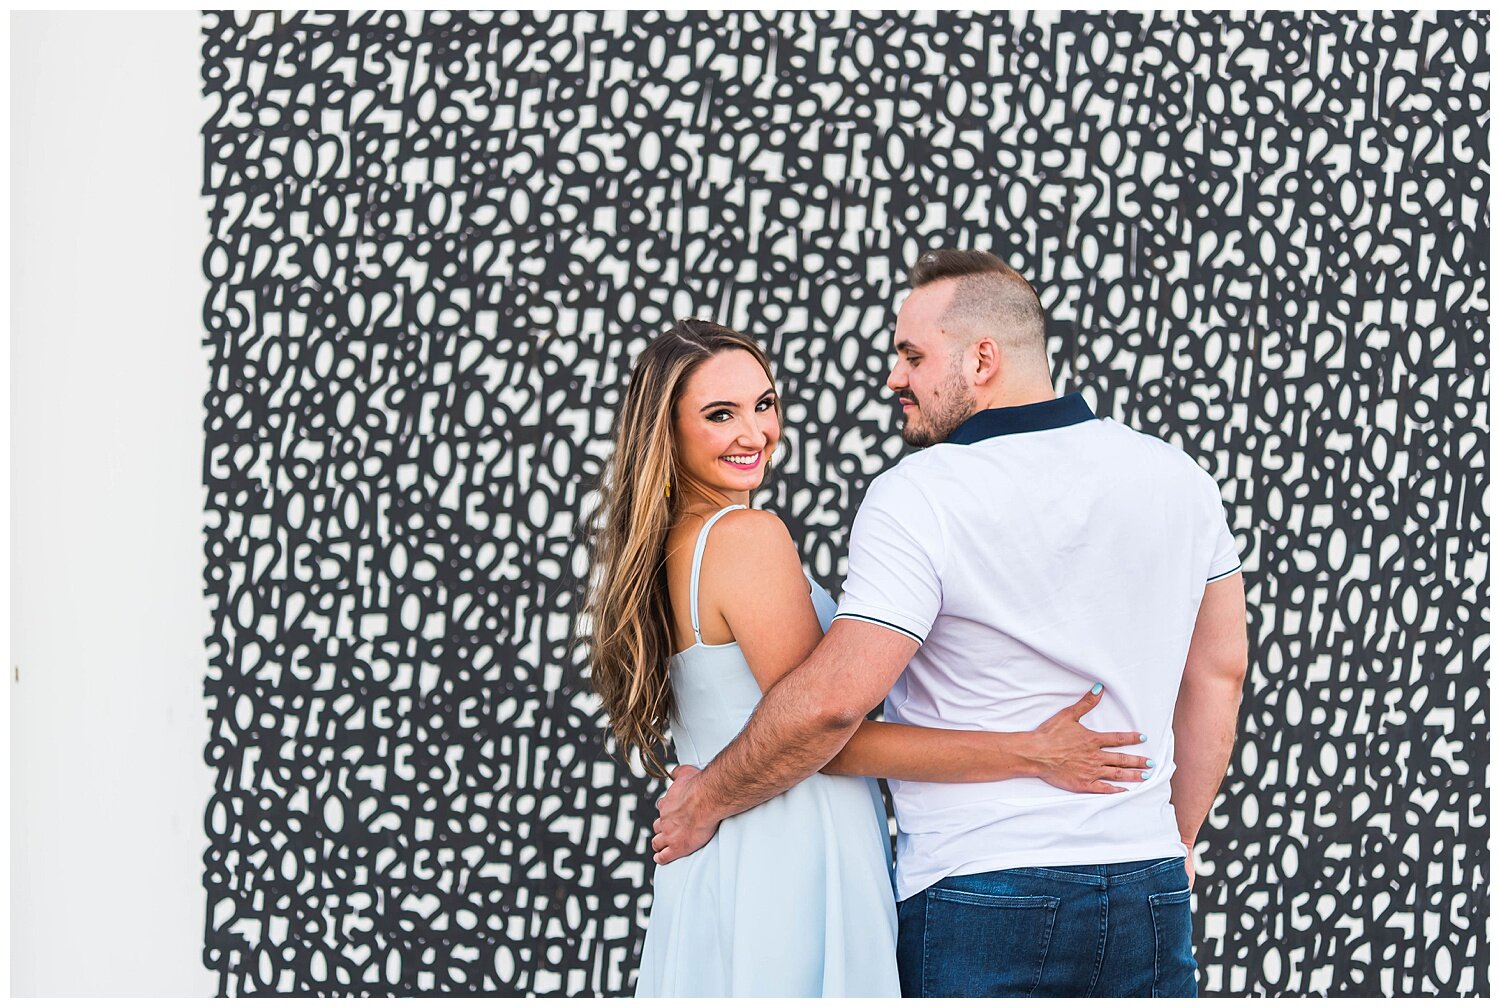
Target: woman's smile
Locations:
point(745, 462)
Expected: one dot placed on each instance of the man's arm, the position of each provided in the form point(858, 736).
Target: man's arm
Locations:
point(800, 723)
point(1208, 704)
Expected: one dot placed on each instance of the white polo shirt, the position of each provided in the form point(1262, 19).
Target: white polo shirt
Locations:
point(1036, 552)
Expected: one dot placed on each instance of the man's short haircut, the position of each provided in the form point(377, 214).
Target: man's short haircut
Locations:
point(990, 299)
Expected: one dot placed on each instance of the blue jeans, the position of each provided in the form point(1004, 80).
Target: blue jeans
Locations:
point(1120, 930)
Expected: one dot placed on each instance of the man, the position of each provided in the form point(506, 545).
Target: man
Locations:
point(1030, 551)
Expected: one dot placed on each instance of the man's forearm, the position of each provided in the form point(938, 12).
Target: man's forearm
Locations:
point(1203, 724)
point(792, 734)
point(799, 724)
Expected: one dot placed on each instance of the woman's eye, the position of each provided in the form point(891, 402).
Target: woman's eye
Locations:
point(765, 404)
point(719, 417)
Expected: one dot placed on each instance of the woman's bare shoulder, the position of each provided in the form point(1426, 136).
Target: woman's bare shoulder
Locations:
point(761, 534)
point(753, 523)
point(754, 590)
point(751, 540)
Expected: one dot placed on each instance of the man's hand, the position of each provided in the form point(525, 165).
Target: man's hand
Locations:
point(1192, 872)
point(679, 830)
point(1069, 756)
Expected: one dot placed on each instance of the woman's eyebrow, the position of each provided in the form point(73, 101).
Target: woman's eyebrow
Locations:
point(722, 402)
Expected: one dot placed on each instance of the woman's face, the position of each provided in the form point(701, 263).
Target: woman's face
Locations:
point(726, 424)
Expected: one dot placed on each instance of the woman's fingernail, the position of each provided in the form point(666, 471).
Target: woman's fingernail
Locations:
point(1151, 762)
point(1143, 738)
point(1098, 688)
point(1145, 775)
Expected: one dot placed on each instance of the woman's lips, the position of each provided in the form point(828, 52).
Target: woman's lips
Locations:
point(752, 464)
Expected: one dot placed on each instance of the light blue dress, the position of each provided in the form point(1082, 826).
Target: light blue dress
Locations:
point(793, 898)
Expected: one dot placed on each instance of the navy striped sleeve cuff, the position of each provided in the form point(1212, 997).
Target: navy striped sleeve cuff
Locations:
point(879, 622)
point(1220, 577)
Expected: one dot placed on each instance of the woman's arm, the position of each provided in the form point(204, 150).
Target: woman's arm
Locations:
point(1061, 752)
point(752, 588)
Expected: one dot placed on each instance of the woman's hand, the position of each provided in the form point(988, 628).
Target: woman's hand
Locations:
point(1067, 755)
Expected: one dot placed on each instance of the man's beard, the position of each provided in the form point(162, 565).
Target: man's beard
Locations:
point(948, 406)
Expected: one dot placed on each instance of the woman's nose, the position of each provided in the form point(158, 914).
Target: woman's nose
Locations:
point(753, 436)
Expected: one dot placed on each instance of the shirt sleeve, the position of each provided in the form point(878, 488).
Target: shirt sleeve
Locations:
point(895, 552)
point(1226, 555)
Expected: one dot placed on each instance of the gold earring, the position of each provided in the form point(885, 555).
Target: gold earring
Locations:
point(669, 487)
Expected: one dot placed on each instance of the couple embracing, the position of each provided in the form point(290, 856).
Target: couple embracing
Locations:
point(1034, 567)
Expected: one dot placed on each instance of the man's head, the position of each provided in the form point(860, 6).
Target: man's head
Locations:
point(970, 335)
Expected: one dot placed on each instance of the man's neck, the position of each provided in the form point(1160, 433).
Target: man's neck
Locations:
point(1021, 396)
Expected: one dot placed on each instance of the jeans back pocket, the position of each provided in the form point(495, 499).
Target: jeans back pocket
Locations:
point(1175, 973)
point(985, 945)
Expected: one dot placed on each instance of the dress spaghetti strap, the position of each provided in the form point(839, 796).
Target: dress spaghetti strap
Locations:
point(698, 564)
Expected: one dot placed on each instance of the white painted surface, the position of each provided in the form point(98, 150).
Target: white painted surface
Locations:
point(108, 374)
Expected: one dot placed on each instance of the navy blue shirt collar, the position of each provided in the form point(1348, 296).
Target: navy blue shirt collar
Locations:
point(1062, 412)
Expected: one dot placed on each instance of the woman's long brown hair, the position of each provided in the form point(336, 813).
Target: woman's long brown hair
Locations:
point(628, 612)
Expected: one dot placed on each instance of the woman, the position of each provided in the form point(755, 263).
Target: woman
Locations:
point(794, 897)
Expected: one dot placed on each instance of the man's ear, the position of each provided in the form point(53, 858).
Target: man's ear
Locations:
point(986, 361)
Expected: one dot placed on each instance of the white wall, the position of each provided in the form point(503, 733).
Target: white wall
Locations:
point(108, 373)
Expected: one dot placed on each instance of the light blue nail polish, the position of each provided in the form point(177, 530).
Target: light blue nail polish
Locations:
point(1143, 738)
point(1151, 762)
point(1145, 775)
point(1098, 688)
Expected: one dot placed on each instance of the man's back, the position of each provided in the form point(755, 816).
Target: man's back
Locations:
point(1049, 552)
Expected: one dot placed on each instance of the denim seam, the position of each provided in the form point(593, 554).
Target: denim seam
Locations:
point(1094, 878)
point(988, 900)
point(1053, 873)
point(1052, 905)
point(1156, 957)
point(1097, 876)
point(1148, 872)
point(1156, 900)
point(926, 913)
point(1103, 941)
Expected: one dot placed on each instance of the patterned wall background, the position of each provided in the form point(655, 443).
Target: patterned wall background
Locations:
point(438, 239)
